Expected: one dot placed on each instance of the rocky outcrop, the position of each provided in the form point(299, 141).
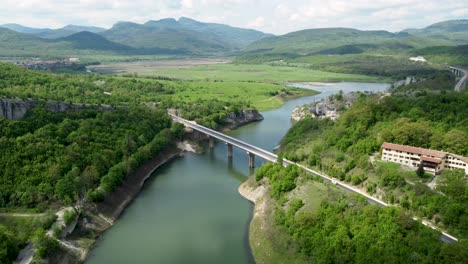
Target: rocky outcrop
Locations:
point(15, 109)
point(329, 107)
point(242, 117)
point(409, 80)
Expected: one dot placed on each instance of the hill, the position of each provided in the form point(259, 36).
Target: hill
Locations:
point(52, 33)
point(67, 31)
point(23, 29)
point(457, 55)
point(239, 37)
point(92, 41)
point(320, 40)
point(162, 36)
point(452, 30)
point(185, 34)
point(14, 44)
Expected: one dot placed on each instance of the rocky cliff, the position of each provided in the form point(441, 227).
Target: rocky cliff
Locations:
point(242, 117)
point(15, 109)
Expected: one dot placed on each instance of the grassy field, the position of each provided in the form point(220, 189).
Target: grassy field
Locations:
point(235, 72)
point(263, 96)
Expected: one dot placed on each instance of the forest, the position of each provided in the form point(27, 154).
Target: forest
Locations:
point(345, 228)
point(207, 102)
point(343, 149)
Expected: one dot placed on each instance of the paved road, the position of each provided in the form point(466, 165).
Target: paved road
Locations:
point(273, 158)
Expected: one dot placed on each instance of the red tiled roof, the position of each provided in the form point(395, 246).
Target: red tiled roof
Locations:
point(433, 160)
point(415, 150)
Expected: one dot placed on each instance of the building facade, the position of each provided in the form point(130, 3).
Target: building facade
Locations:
point(433, 161)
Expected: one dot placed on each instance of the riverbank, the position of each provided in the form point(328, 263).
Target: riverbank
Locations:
point(114, 204)
point(96, 219)
point(269, 244)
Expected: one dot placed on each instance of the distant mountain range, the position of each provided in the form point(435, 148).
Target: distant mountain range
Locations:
point(183, 36)
point(349, 41)
point(191, 37)
point(453, 30)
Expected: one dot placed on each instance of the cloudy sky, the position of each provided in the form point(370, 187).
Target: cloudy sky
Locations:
point(274, 16)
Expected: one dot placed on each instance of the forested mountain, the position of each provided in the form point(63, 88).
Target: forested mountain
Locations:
point(452, 30)
point(239, 37)
point(188, 36)
point(150, 36)
point(184, 34)
point(456, 55)
point(340, 41)
point(52, 33)
point(88, 40)
point(19, 44)
point(23, 29)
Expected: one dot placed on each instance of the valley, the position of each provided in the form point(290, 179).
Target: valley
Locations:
point(96, 136)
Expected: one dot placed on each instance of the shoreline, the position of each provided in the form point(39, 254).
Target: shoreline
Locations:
point(255, 195)
point(109, 210)
point(114, 204)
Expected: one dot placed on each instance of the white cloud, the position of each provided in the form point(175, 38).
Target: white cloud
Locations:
point(259, 22)
point(276, 16)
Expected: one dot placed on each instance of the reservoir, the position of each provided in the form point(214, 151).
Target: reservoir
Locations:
point(190, 210)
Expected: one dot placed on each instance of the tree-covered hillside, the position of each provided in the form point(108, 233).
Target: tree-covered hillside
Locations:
point(317, 40)
point(421, 117)
point(452, 30)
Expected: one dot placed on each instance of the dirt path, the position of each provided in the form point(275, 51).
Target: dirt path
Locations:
point(22, 215)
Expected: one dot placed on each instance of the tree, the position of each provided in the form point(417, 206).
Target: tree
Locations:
point(453, 183)
point(420, 171)
point(8, 247)
point(44, 244)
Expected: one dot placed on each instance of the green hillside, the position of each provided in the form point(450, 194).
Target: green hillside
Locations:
point(150, 36)
point(316, 40)
point(18, 44)
point(238, 37)
point(67, 31)
point(457, 55)
point(452, 30)
point(185, 34)
point(88, 40)
point(23, 29)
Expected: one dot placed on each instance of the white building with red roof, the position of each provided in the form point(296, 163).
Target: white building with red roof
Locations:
point(433, 161)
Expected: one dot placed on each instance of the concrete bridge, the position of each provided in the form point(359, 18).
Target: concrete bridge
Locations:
point(253, 151)
point(464, 77)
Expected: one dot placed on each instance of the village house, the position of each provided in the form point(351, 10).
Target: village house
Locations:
point(433, 161)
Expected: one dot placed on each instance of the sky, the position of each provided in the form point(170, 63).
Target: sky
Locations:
point(272, 16)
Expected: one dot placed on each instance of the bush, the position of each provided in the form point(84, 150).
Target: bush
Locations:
point(69, 216)
point(44, 245)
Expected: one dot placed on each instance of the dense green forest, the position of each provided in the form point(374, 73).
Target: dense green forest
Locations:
point(345, 228)
point(58, 157)
point(95, 89)
point(417, 115)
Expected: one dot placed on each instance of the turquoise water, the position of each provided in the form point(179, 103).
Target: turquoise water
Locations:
point(190, 210)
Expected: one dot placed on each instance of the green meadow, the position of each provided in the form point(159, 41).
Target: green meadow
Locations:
point(240, 72)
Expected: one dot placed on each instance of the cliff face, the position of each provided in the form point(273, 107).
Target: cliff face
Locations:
point(239, 118)
point(15, 109)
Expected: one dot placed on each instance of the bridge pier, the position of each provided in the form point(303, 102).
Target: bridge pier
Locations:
point(211, 142)
point(229, 147)
point(251, 160)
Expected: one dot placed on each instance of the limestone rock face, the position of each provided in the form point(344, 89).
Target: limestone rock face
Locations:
point(239, 118)
point(15, 109)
